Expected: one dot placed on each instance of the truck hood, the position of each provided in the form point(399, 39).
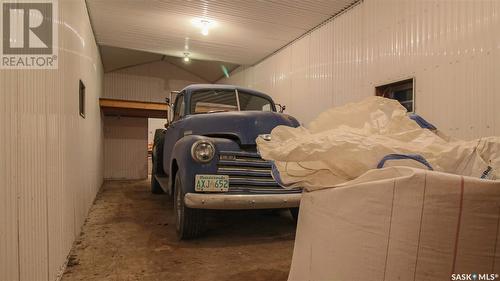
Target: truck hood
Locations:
point(246, 126)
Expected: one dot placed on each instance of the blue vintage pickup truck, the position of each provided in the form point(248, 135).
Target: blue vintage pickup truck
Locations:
point(207, 157)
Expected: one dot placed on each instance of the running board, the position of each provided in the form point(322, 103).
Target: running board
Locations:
point(163, 181)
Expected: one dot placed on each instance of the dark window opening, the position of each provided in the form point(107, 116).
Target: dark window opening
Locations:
point(82, 99)
point(401, 91)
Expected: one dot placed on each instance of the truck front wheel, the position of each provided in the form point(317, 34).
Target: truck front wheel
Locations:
point(157, 159)
point(190, 223)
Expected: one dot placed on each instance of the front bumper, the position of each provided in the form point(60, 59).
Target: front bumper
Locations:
point(218, 201)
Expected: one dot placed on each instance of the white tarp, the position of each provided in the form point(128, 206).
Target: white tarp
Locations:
point(399, 223)
point(345, 142)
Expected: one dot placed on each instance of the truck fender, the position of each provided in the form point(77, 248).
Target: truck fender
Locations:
point(183, 163)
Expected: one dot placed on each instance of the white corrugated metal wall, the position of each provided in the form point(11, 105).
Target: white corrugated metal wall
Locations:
point(148, 82)
point(452, 48)
point(125, 148)
point(133, 87)
point(51, 161)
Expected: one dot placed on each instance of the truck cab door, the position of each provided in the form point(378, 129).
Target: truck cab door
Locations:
point(174, 132)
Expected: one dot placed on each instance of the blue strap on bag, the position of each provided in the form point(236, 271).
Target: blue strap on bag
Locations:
point(395, 156)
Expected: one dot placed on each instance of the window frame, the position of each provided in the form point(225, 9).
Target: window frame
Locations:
point(81, 98)
point(239, 91)
point(178, 107)
point(398, 85)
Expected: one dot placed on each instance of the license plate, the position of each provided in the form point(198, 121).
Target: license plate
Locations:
point(211, 183)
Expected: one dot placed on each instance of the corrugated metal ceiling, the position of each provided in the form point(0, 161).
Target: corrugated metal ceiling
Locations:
point(244, 33)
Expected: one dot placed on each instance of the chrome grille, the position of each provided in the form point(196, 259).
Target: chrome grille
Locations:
point(248, 172)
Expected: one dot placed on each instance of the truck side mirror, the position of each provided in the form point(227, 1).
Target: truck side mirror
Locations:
point(282, 107)
point(167, 100)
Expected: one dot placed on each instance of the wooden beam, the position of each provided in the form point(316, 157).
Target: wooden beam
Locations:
point(115, 103)
point(116, 107)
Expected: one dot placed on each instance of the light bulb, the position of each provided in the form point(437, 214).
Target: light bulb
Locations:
point(204, 30)
point(204, 24)
point(204, 27)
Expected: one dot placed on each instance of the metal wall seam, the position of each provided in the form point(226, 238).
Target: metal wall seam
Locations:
point(9, 254)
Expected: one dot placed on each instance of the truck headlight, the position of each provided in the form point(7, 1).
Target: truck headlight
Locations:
point(203, 151)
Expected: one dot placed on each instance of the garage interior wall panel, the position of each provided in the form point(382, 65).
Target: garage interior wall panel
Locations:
point(125, 144)
point(451, 48)
point(9, 250)
point(133, 87)
point(147, 82)
point(51, 159)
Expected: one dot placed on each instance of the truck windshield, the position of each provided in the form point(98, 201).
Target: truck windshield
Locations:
point(208, 101)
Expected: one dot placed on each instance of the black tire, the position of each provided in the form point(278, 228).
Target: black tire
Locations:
point(295, 214)
point(155, 185)
point(157, 158)
point(189, 223)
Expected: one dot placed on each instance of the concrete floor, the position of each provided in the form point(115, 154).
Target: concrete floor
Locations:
point(130, 235)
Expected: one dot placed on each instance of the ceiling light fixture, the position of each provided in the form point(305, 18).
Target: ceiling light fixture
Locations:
point(186, 57)
point(204, 25)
